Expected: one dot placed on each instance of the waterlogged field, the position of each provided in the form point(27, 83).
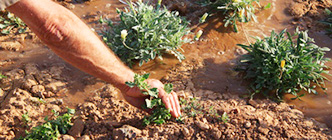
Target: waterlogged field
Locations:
point(238, 73)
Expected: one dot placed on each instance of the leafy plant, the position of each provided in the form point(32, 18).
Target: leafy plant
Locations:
point(8, 22)
point(285, 64)
point(145, 32)
point(328, 22)
point(159, 113)
point(51, 129)
point(236, 10)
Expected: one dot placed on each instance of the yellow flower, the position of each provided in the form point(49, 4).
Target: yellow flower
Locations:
point(236, 1)
point(282, 64)
point(241, 13)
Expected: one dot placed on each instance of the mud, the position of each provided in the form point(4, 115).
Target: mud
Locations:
point(39, 81)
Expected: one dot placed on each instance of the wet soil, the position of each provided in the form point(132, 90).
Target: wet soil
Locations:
point(39, 81)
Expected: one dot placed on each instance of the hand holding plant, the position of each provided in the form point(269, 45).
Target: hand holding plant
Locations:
point(150, 94)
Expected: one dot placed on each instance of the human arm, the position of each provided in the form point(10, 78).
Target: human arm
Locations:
point(71, 39)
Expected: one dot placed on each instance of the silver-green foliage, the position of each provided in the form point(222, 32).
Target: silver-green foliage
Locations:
point(285, 64)
point(151, 32)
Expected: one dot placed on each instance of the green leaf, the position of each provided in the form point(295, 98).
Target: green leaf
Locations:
point(153, 92)
point(225, 117)
point(168, 88)
point(267, 6)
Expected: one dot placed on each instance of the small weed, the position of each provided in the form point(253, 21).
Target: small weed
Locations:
point(236, 10)
point(159, 113)
point(191, 107)
point(146, 32)
point(285, 64)
point(225, 117)
point(26, 119)
point(51, 129)
point(2, 76)
point(8, 22)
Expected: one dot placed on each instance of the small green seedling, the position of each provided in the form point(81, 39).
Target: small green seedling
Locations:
point(8, 22)
point(225, 117)
point(2, 76)
point(146, 32)
point(285, 63)
point(159, 113)
point(191, 107)
point(51, 129)
point(25, 118)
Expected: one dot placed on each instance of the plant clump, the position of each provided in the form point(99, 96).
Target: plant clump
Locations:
point(8, 22)
point(285, 64)
point(236, 10)
point(145, 32)
point(51, 129)
point(159, 113)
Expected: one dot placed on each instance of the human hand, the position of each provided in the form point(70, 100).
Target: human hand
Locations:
point(135, 97)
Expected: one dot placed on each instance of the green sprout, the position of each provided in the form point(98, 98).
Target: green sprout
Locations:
point(145, 32)
point(191, 107)
point(26, 119)
point(159, 113)
point(2, 76)
point(285, 64)
point(225, 117)
point(8, 22)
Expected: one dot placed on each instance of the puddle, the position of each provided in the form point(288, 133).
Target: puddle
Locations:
point(217, 49)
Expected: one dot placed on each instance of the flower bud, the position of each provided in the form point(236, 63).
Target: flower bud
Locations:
point(282, 64)
point(124, 34)
point(203, 18)
point(241, 13)
point(198, 34)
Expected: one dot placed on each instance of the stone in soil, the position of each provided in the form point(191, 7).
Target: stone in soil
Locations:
point(126, 131)
point(77, 129)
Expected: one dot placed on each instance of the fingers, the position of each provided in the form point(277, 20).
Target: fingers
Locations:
point(171, 100)
point(177, 104)
point(167, 101)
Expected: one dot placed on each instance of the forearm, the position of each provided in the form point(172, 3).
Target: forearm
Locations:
point(72, 39)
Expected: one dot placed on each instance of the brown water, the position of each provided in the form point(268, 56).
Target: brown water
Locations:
point(217, 49)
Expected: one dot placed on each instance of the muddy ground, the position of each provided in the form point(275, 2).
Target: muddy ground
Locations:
point(38, 81)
